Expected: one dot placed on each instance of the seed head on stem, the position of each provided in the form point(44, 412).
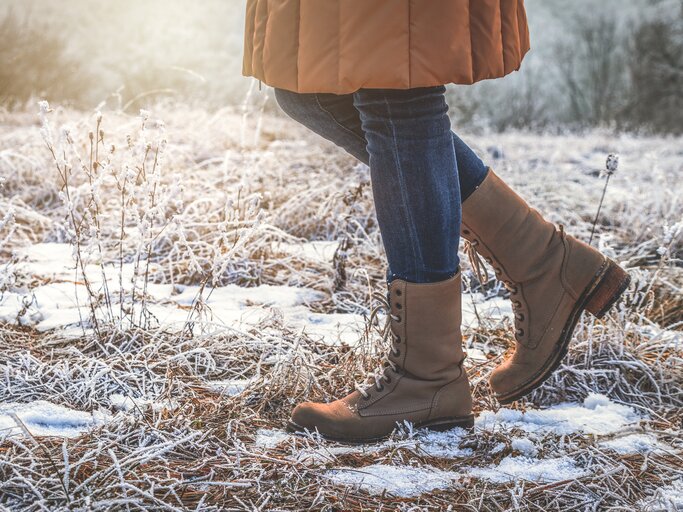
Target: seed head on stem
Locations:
point(611, 166)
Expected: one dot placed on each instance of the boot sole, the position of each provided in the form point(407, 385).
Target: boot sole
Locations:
point(440, 425)
point(600, 296)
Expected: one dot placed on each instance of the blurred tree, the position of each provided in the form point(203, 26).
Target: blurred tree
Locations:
point(591, 65)
point(656, 71)
point(34, 62)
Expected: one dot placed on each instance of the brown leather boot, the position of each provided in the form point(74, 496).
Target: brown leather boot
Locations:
point(552, 278)
point(422, 379)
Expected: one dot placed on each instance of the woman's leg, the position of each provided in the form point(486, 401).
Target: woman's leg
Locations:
point(335, 118)
point(414, 175)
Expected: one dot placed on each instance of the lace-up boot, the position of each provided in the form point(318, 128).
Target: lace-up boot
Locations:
point(552, 277)
point(422, 379)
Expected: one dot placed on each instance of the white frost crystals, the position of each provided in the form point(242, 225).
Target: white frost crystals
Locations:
point(43, 418)
point(55, 304)
point(667, 498)
point(406, 481)
point(514, 468)
point(401, 481)
point(597, 415)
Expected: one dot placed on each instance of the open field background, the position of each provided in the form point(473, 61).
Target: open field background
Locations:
point(154, 366)
point(612, 63)
point(180, 264)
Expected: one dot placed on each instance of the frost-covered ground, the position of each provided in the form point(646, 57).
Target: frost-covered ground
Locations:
point(161, 312)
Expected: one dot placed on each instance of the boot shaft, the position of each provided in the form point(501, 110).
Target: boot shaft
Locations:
point(426, 320)
point(520, 240)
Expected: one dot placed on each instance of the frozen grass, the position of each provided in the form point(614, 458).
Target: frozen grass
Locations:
point(245, 211)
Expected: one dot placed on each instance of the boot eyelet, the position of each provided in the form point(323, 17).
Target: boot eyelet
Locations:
point(399, 319)
point(397, 352)
point(520, 332)
point(465, 231)
point(399, 305)
point(387, 379)
point(398, 292)
point(380, 389)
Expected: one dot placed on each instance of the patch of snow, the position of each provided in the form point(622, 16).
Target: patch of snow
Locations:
point(233, 296)
point(476, 354)
point(50, 259)
point(399, 481)
point(270, 438)
point(635, 443)
point(326, 454)
point(43, 418)
point(332, 328)
point(55, 305)
point(442, 444)
point(514, 468)
point(229, 387)
point(524, 446)
point(498, 448)
point(668, 498)
point(597, 415)
point(319, 250)
point(492, 310)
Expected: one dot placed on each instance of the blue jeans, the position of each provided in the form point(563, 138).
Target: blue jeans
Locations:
point(419, 169)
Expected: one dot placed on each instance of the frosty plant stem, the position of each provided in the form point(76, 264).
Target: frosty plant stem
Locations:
point(138, 202)
point(610, 168)
point(64, 169)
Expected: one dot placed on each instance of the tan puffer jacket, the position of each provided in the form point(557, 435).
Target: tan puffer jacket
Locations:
point(341, 46)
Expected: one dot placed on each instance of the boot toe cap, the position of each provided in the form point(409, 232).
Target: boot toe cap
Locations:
point(508, 377)
point(306, 415)
point(333, 420)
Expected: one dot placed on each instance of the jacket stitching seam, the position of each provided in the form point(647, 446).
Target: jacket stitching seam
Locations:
point(469, 27)
point(265, 39)
point(298, 48)
point(502, 36)
point(339, 43)
point(410, 28)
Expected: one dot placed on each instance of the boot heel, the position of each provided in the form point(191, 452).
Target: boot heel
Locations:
point(612, 284)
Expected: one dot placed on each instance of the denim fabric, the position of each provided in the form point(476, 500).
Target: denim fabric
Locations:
point(419, 168)
point(335, 118)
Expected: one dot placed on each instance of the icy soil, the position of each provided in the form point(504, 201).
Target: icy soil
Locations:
point(54, 304)
point(610, 424)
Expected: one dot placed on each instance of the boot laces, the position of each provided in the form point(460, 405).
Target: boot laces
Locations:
point(479, 268)
point(380, 375)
